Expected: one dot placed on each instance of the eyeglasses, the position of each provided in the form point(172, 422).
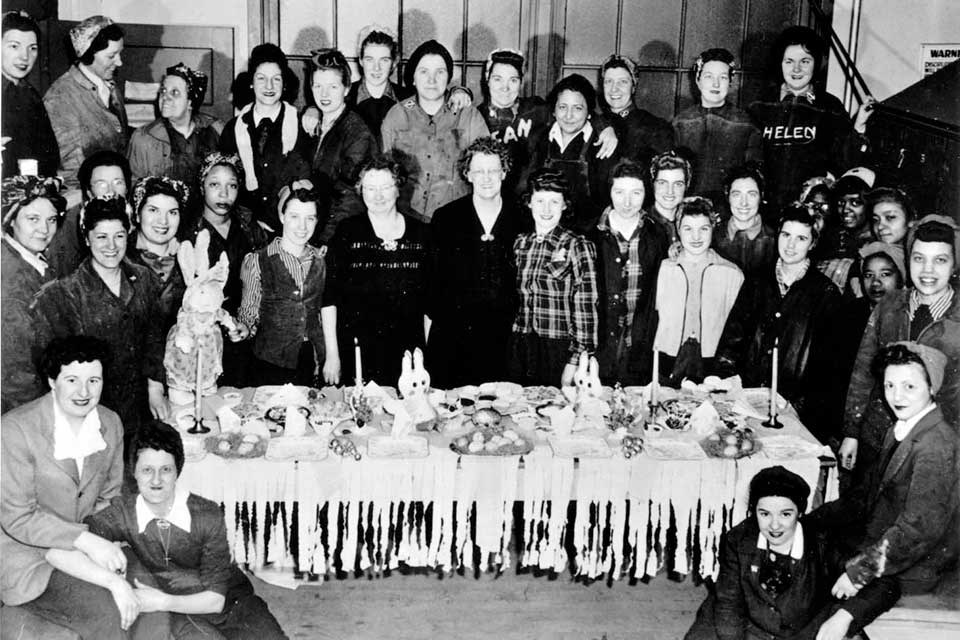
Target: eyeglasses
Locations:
point(819, 207)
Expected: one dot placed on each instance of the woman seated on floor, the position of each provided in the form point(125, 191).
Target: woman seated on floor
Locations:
point(181, 541)
point(775, 573)
point(899, 524)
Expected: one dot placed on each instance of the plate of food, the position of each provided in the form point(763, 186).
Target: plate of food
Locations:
point(731, 443)
point(675, 414)
point(236, 445)
point(541, 395)
point(277, 417)
point(492, 435)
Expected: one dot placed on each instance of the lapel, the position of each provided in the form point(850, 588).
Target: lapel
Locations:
point(928, 422)
point(754, 556)
point(68, 465)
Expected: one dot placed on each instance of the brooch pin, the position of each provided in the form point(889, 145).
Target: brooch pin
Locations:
point(487, 237)
point(389, 245)
point(540, 238)
point(560, 255)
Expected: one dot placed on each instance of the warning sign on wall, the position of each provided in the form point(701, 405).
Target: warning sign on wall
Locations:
point(934, 57)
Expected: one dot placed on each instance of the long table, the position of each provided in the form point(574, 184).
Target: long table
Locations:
point(380, 513)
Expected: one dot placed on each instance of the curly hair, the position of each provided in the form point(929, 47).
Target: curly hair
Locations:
point(326, 60)
point(487, 146)
point(547, 179)
point(670, 160)
point(696, 206)
point(383, 162)
point(897, 354)
point(798, 212)
point(804, 37)
point(576, 83)
point(749, 170)
point(62, 351)
point(150, 186)
point(377, 36)
point(101, 209)
point(159, 436)
point(627, 168)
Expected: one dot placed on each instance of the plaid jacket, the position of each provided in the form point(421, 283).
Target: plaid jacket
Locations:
point(557, 284)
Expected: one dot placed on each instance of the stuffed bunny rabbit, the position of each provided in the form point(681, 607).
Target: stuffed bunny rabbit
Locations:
point(414, 386)
point(588, 406)
point(196, 328)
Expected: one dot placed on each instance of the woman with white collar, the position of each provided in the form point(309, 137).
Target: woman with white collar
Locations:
point(62, 460)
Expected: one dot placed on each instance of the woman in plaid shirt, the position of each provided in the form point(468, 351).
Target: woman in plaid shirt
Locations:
point(557, 287)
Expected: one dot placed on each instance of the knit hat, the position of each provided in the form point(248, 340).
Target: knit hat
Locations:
point(428, 48)
point(83, 34)
point(934, 361)
point(892, 251)
point(196, 83)
point(778, 481)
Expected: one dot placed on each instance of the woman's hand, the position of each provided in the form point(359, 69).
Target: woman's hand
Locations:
point(331, 369)
point(459, 99)
point(127, 602)
point(310, 120)
point(566, 378)
point(105, 553)
point(844, 588)
point(240, 332)
point(159, 407)
point(607, 141)
point(863, 114)
point(150, 599)
point(836, 626)
point(848, 453)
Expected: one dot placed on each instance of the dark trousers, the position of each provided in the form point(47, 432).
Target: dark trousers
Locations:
point(537, 361)
point(249, 618)
point(267, 373)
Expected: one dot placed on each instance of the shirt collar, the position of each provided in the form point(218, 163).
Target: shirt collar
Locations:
point(179, 513)
point(937, 308)
point(37, 261)
point(103, 89)
point(903, 427)
point(555, 135)
point(605, 225)
point(68, 443)
point(172, 247)
point(781, 276)
point(796, 549)
point(276, 246)
point(809, 94)
point(364, 94)
point(751, 232)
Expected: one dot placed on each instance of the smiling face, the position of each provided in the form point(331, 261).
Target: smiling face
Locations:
point(571, 112)
point(797, 66)
point(714, 84)
point(107, 61)
point(174, 104)
point(379, 191)
point(329, 92)
point(156, 475)
point(220, 190)
point(34, 225)
point(430, 78)
point(19, 53)
point(299, 221)
point(880, 277)
point(777, 518)
point(695, 233)
point(931, 265)
point(108, 243)
point(626, 195)
point(889, 222)
point(906, 389)
point(107, 180)
point(546, 207)
point(268, 84)
point(668, 190)
point(77, 388)
point(377, 64)
point(504, 85)
point(618, 88)
point(744, 199)
point(853, 210)
point(794, 242)
point(486, 174)
point(159, 219)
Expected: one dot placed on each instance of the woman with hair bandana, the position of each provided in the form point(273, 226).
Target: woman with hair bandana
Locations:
point(176, 143)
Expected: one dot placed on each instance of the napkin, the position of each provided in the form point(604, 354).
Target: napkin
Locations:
point(294, 423)
point(289, 395)
point(704, 419)
point(229, 420)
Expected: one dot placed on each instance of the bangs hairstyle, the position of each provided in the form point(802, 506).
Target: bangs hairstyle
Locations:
point(898, 354)
point(547, 179)
point(670, 160)
point(696, 206)
point(577, 83)
point(487, 146)
point(326, 60)
point(627, 168)
point(102, 209)
point(20, 21)
point(159, 436)
point(891, 194)
point(742, 172)
point(384, 162)
point(798, 212)
point(103, 158)
point(806, 38)
point(377, 37)
point(62, 351)
point(110, 33)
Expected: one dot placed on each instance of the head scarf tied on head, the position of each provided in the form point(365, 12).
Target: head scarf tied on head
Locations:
point(196, 83)
point(892, 251)
point(83, 34)
point(22, 189)
point(934, 361)
point(215, 159)
point(147, 187)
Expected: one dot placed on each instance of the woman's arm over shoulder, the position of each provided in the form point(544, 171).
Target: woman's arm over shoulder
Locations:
point(583, 301)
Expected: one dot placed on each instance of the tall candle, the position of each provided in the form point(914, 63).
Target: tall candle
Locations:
point(773, 379)
point(198, 396)
point(357, 365)
point(655, 381)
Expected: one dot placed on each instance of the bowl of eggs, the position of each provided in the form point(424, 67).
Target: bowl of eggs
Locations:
point(731, 444)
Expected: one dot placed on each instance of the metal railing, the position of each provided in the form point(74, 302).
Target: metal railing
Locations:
point(823, 25)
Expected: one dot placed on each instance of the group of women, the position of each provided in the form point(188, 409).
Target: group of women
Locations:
point(504, 239)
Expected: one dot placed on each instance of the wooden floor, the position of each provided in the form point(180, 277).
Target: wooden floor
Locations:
point(401, 607)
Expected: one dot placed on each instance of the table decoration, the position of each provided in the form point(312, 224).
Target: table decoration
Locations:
point(236, 445)
point(731, 443)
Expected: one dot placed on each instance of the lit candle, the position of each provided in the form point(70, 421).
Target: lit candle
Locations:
point(357, 365)
point(773, 380)
point(655, 381)
point(198, 396)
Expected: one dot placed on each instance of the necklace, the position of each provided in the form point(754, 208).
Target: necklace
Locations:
point(163, 530)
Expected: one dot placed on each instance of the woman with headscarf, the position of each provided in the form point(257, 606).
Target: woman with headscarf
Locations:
point(85, 103)
point(26, 126)
point(176, 143)
point(32, 210)
point(266, 135)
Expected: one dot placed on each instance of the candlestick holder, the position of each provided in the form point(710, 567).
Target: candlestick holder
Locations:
point(771, 422)
point(198, 426)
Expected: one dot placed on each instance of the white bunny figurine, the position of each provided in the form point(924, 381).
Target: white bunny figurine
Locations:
point(588, 406)
point(414, 386)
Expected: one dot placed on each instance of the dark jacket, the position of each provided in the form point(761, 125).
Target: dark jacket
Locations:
point(866, 416)
point(26, 123)
point(151, 153)
point(801, 321)
point(528, 119)
point(652, 247)
point(81, 303)
point(752, 256)
point(335, 163)
point(911, 502)
point(374, 110)
point(802, 139)
point(171, 290)
point(20, 283)
point(642, 135)
point(719, 139)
